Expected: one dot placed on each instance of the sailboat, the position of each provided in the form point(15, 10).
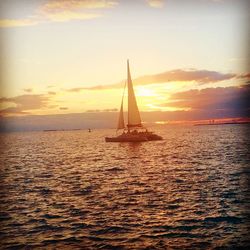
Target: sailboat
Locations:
point(134, 131)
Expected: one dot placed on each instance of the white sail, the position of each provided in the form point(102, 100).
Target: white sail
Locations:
point(121, 124)
point(134, 119)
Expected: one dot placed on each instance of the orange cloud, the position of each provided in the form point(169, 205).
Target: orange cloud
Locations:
point(63, 108)
point(29, 90)
point(199, 76)
point(56, 6)
point(70, 15)
point(61, 11)
point(155, 3)
point(24, 103)
point(51, 92)
point(98, 87)
point(101, 110)
point(5, 23)
point(65, 10)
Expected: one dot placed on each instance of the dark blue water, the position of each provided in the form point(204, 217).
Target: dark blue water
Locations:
point(71, 190)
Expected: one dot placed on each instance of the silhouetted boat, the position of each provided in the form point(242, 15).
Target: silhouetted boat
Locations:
point(134, 131)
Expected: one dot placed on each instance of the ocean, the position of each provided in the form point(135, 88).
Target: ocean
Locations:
point(72, 190)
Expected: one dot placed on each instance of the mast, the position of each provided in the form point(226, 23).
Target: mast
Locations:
point(134, 119)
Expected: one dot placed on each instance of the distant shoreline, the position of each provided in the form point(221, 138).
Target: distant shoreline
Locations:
point(51, 130)
point(223, 123)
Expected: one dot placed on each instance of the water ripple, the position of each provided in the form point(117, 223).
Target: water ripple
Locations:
point(71, 190)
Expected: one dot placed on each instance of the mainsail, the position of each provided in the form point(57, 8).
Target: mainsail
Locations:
point(134, 119)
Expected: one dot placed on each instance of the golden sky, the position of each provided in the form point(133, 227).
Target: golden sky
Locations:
point(69, 56)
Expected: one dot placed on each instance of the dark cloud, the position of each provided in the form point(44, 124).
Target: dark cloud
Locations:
point(181, 75)
point(244, 76)
point(228, 100)
point(24, 103)
point(13, 110)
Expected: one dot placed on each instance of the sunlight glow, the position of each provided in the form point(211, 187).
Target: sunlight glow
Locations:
point(143, 91)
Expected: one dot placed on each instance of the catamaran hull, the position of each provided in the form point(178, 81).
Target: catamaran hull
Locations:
point(134, 138)
point(118, 139)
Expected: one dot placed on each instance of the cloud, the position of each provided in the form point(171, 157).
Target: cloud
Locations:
point(63, 108)
point(29, 90)
point(70, 15)
point(67, 10)
point(56, 6)
point(62, 11)
point(6, 23)
point(244, 76)
point(199, 76)
point(101, 110)
point(75, 89)
point(179, 75)
point(52, 106)
point(78, 4)
point(51, 92)
point(13, 110)
point(155, 3)
point(24, 103)
point(97, 87)
point(227, 99)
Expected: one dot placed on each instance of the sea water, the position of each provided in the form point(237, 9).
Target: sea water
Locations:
point(72, 190)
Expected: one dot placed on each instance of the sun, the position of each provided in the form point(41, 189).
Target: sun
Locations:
point(145, 92)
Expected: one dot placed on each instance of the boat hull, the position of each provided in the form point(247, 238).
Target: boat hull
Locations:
point(140, 137)
point(125, 139)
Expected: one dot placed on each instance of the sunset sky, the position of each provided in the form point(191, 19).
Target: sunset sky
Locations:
point(69, 56)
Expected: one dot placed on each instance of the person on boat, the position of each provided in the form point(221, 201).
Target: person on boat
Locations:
point(134, 132)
